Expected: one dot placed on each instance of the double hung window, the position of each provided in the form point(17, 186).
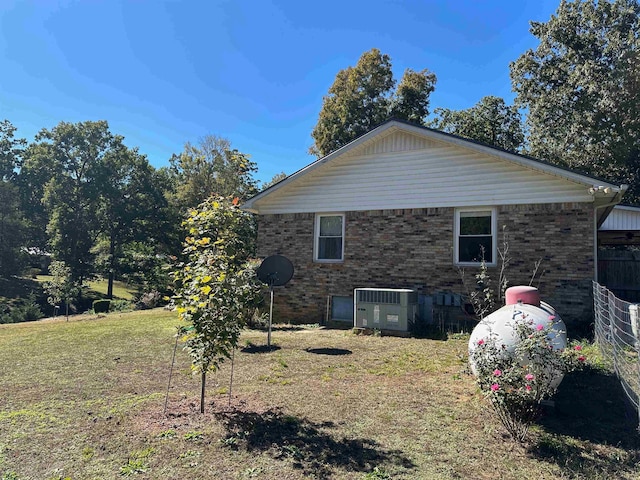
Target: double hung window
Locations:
point(475, 236)
point(329, 238)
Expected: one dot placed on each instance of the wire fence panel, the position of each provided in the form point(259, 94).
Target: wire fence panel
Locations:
point(617, 324)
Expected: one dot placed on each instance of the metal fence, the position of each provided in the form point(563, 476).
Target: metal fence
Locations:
point(617, 324)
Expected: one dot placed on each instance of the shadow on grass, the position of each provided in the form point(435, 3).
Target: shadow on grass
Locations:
point(284, 327)
point(309, 445)
point(329, 351)
point(252, 348)
point(18, 287)
point(590, 408)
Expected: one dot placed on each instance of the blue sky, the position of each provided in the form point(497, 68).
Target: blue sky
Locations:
point(166, 72)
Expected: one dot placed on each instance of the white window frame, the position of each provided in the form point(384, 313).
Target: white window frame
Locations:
point(316, 238)
point(494, 235)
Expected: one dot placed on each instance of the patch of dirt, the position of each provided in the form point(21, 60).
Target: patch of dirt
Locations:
point(184, 413)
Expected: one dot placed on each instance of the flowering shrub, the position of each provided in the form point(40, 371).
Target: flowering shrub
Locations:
point(517, 380)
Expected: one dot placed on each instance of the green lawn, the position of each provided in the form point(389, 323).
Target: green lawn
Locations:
point(99, 286)
point(84, 399)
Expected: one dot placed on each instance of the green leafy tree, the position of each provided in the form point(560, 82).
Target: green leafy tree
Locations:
point(362, 97)
point(581, 89)
point(73, 154)
point(216, 288)
point(62, 286)
point(411, 101)
point(12, 232)
point(37, 170)
point(211, 167)
point(12, 224)
point(490, 121)
point(142, 264)
point(278, 177)
point(11, 150)
point(92, 188)
point(168, 235)
point(129, 205)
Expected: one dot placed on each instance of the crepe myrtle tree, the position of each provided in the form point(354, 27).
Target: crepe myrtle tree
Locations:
point(216, 285)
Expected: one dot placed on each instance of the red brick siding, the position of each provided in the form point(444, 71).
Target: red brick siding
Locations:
point(414, 248)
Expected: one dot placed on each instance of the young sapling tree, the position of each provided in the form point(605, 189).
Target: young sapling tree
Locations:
point(61, 287)
point(217, 288)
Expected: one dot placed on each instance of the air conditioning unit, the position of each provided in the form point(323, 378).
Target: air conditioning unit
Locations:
point(384, 308)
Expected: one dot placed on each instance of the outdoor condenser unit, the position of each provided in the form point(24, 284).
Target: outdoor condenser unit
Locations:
point(384, 308)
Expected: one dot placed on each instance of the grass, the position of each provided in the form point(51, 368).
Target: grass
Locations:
point(84, 399)
point(98, 288)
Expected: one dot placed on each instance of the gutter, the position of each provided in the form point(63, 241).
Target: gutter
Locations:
point(596, 223)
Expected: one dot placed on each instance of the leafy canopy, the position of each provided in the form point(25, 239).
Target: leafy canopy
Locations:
point(581, 88)
point(11, 150)
point(362, 97)
point(216, 287)
point(211, 167)
point(13, 232)
point(490, 121)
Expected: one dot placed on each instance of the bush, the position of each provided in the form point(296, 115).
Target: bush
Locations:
point(258, 319)
point(120, 306)
point(517, 382)
point(101, 306)
point(33, 272)
point(25, 310)
point(149, 300)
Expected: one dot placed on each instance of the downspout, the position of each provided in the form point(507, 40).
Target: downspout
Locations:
point(615, 201)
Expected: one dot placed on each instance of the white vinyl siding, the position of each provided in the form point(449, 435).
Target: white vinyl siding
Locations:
point(622, 218)
point(474, 236)
point(329, 238)
point(440, 175)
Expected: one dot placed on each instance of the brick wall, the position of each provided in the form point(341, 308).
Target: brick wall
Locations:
point(414, 248)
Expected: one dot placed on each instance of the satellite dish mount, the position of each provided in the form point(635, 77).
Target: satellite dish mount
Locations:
point(275, 271)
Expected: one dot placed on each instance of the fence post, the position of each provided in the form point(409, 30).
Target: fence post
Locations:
point(612, 337)
point(611, 312)
point(597, 316)
point(635, 328)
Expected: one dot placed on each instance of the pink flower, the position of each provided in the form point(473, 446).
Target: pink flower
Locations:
point(481, 342)
point(552, 318)
point(539, 327)
point(578, 347)
point(497, 372)
point(495, 387)
point(528, 377)
point(528, 387)
point(581, 358)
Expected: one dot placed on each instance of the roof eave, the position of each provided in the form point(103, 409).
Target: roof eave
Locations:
point(522, 160)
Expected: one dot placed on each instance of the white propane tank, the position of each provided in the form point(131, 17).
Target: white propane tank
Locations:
point(500, 326)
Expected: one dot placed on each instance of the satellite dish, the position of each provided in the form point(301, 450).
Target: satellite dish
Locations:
point(275, 271)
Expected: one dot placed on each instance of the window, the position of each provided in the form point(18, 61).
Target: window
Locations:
point(329, 238)
point(475, 235)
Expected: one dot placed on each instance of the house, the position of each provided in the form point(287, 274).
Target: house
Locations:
point(405, 206)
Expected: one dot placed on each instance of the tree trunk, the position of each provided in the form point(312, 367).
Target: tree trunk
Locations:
point(204, 380)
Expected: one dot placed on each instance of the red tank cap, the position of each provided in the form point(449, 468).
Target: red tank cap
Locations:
point(522, 294)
